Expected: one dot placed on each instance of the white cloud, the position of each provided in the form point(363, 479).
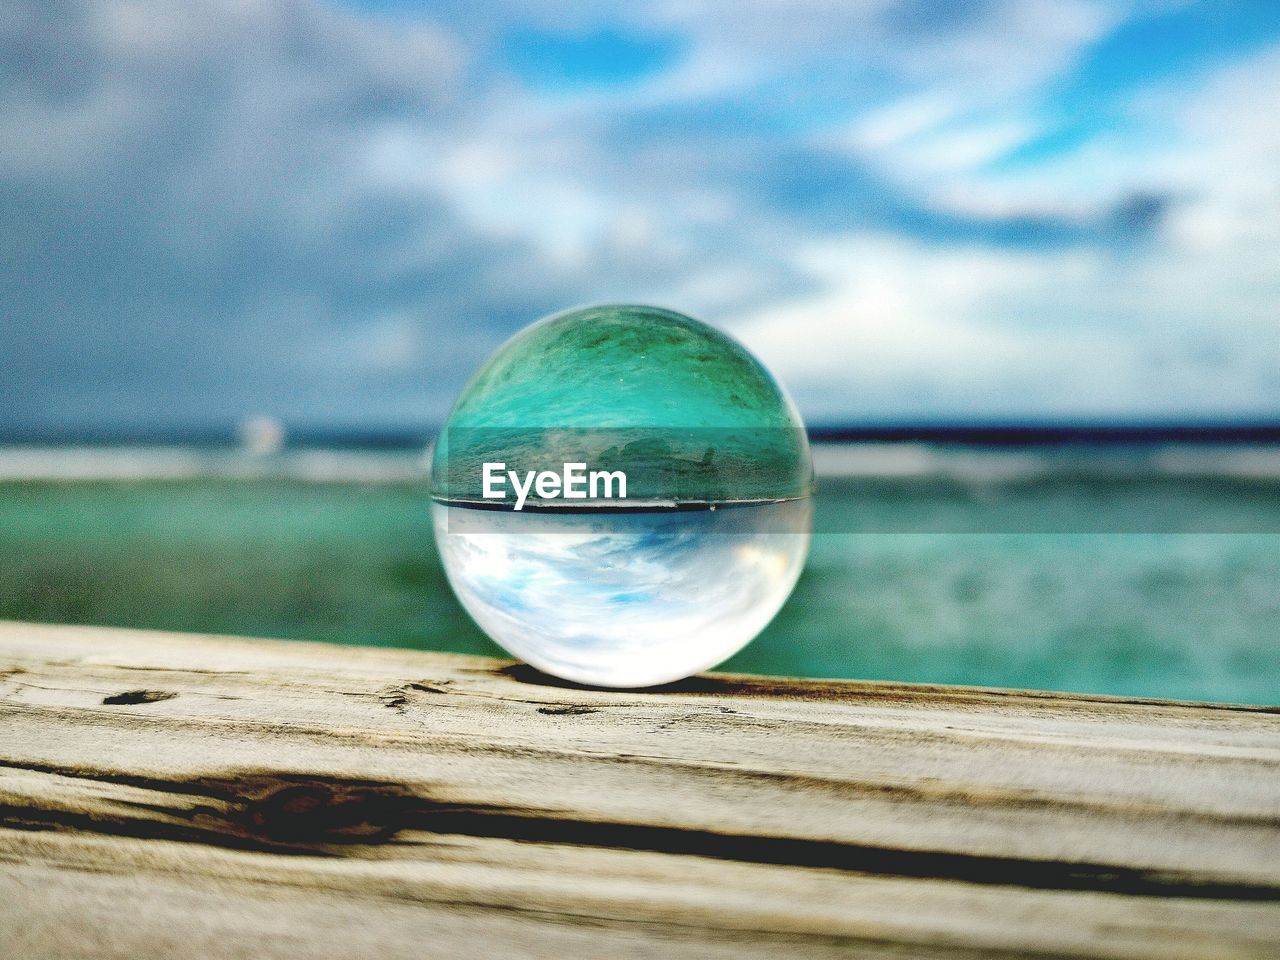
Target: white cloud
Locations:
point(1186, 322)
point(294, 208)
point(905, 328)
point(902, 120)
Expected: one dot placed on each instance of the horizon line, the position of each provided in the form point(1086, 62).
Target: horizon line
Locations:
point(1008, 431)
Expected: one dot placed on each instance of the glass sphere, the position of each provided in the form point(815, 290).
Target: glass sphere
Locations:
point(622, 496)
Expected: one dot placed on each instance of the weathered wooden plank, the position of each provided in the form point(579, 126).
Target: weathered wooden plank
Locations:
point(166, 795)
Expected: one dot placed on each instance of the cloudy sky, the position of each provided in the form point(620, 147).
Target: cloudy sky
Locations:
point(910, 210)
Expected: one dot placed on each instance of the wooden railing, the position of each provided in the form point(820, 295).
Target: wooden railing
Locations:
point(168, 795)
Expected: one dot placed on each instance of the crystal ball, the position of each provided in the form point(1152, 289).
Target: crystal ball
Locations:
point(622, 496)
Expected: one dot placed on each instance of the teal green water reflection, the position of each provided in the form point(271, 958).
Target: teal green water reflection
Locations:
point(1190, 615)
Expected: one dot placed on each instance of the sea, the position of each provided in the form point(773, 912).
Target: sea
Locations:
point(1145, 569)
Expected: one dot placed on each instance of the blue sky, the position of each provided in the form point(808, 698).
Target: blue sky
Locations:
point(331, 213)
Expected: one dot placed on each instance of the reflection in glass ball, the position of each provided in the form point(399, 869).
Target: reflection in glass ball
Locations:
point(624, 599)
point(679, 574)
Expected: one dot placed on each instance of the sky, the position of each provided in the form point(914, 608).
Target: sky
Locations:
point(331, 213)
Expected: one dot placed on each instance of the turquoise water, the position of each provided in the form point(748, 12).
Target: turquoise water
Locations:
point(1189, 615)
point(685, 410)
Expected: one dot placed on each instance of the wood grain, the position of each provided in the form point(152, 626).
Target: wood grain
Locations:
point(169, 795)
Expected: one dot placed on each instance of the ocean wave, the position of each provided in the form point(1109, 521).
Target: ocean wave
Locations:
point(870, 461)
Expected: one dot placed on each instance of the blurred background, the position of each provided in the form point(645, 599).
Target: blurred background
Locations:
point(1018, 261)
